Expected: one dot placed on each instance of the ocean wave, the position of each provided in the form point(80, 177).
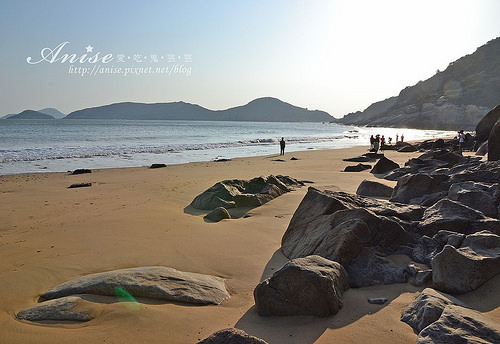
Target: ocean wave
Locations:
point(89, 151)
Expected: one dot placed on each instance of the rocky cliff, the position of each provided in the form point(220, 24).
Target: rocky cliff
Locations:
point(456, 98)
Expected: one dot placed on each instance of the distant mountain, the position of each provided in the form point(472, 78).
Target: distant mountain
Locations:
point(53, 112)
point(31, 114)
point(259, 110)
point(456, 98)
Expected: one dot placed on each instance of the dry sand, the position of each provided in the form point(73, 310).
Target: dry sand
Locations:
point(131, 217)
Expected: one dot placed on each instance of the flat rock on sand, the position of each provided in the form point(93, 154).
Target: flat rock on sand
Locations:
point(65, 308)
point(156, 282)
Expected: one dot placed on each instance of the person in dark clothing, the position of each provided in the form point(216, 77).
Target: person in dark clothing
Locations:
point(282, 146)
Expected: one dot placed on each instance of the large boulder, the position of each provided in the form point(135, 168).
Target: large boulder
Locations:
point(468, 267)
point(254, 192)
point(335, 226)
point(384, 165)
point(304, 286)
point(479, 196)
point(460, 325)
point(456, 217)
point(155, 282)
point(417, 188)
point(494, 143)
point(370, 268)
point(427, 308)
point(231, 336)
point(69, 308)
point(483, 128)
point(374, 189)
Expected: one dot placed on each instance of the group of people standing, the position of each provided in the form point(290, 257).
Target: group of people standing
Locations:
point(378, 142)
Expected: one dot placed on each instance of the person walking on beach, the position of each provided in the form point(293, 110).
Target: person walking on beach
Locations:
point(461, 141)
point(382, 143)
point(372, 141)
point(376, 143)
point(282, 146)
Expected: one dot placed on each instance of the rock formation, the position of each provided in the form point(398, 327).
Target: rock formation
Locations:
point(244, 193)
point(427, 308)
point(459, 270)
point(156, 282)
point(460, 325)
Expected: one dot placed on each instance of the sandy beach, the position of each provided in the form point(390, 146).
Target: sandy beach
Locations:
point(133, 217)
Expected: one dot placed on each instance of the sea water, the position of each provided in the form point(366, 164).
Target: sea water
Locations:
point(61, 145)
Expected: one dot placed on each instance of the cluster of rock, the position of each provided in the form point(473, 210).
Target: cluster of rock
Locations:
point(242, 193)
point(441, 318)
point(443, 214)
point(65, 302)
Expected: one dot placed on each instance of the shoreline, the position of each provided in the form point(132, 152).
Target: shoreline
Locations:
point(138, 216)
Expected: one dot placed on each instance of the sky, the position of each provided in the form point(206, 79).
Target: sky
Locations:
point(338, 56)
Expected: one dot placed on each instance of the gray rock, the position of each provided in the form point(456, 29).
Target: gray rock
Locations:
point(384, 165)
point(426, 248)
point(254, 192)
point(361, 158)
point(456, 217)
point(344, 242)
point(422, 277)
point(157, 166)
point(375, 189)
point(79, 185)
point(444, 156)
point(467, 268)
point(483, 128)
point(460, 325)
point(218, 214)
point(332, 231)
point(427, 308)
point(415, 188)
point(479, 196)
point(486, 172)
point(408, 148)
point(483, 149)
point(231, 336)
point(369, 268)
point(81, 171)
point(156, 282)
point(304, 286)
point(357, 168)
point(67, 309)
point(494, 143)
point(337, 225)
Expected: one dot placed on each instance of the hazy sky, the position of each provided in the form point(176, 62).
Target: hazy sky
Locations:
point(339, 56)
